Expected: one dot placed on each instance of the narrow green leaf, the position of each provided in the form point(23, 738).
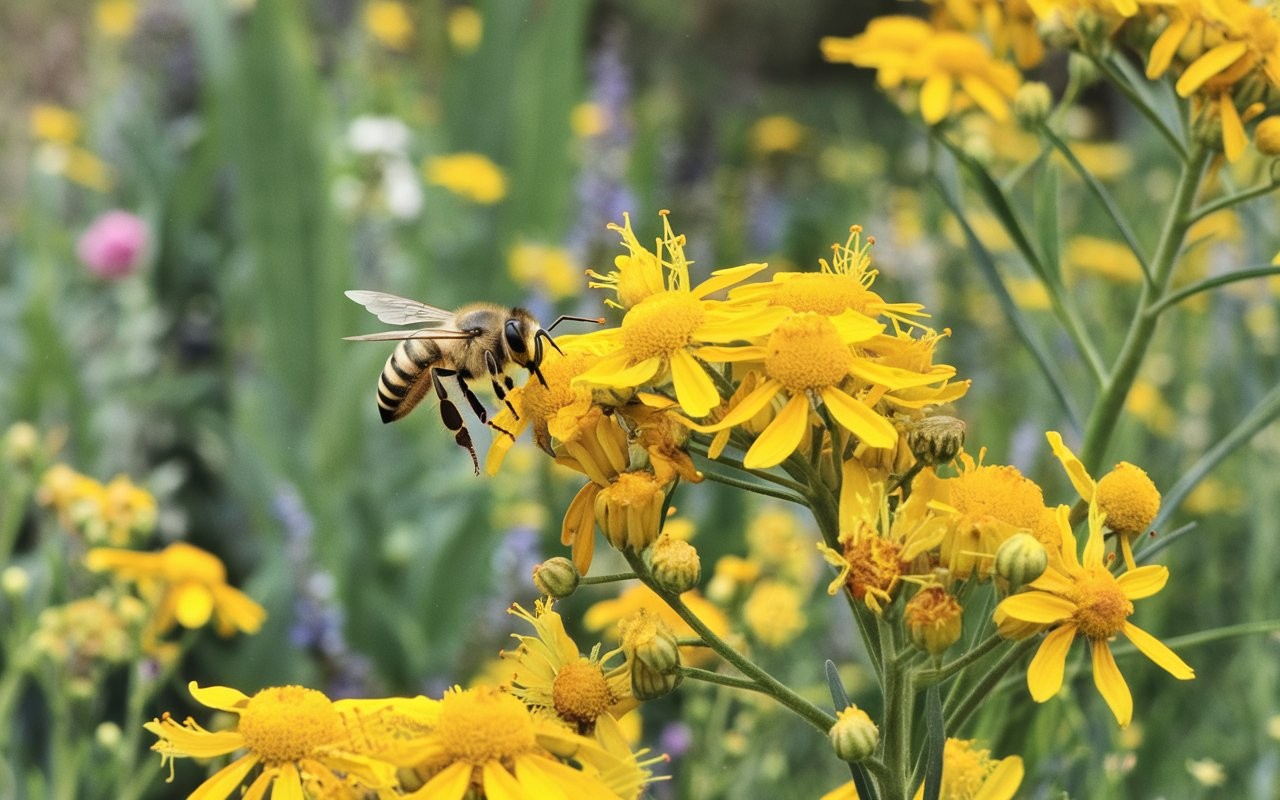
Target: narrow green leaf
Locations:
point(935, 742)
point(838, 696)
point(1046, 220)
point(986, 263)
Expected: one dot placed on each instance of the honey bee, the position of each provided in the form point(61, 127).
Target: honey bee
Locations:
point(477, 339)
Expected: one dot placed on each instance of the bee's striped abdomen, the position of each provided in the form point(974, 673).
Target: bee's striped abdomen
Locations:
point(406, 377)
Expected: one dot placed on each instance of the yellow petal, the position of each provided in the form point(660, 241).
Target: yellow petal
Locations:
point(535, 783)
point(616, 370)
point(1110, 683)
point(238, 609)
point(195, 743)
point(451, 783)
point(986, 96)
point(1041, 608)
point(1234, 140)
point(1004, 780)
point(1143, 581)
point(577, 783)
point(1044, 674)
point(724, 278)
point(193, 605)
point(1095, 547)
point(288, 784)
point(731, 355)
point(782, 437)
point(226, 780)
point(865, 423)
point(896, 377)
point(1166, 46)
point(694, 388)
point(502, 785)
point(1206, 66)
point(1079, 476)
point(223, 698)
point(1159, 652)
point(258, 789)
point(745, 323)
point(854, 327)
point(746, 408)
point(935, 98)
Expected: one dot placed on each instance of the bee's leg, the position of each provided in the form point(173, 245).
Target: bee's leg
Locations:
point(476, 405)
point(452, 418)
point(494, 374)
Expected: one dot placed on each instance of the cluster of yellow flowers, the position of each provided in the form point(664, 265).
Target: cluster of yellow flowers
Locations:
point(1223, 54)
point(550, 730)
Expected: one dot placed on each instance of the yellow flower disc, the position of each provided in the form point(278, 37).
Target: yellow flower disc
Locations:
point(823, 293)
point(1101, 605)
point(482, 725)
point(661, 324)
point(1000, 492)
point(580, 691)
point(540, 403)
point(1128, 498)
point(806, 352)
point(286, 723)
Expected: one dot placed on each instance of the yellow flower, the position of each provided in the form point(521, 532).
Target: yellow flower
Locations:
point(659, 431)
point(295, 734)
point(85, 633)
point(587, 120)
point(934, 619)
point(389, 22)
point(968, 773)
point(662, 334)
point(466, 28)
point(551, 673)
point(774, 613)
point(540, 266)
point(186, 586)
point(1126, 497)
point(488, 741)
point(1080, 595)
point(776, 133)
point(50, 123)
point(468, 175)
point(115, 18)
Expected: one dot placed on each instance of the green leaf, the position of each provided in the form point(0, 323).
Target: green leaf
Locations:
point(1046, 218)
point(935, 743)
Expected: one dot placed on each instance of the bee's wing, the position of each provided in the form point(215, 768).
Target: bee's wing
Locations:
point(396, 336)
point(395, 310)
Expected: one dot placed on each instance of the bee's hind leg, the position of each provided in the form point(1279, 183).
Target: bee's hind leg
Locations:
point(477, 406)
point(494, 374)
point(452, 418)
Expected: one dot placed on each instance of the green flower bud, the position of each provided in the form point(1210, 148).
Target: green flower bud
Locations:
point(854, 736)
point(1032, 104)
point(936, 440)
point(650, 684)
point(647, 639)
point(556, 577)
point(675, 563)
point(1020, 560)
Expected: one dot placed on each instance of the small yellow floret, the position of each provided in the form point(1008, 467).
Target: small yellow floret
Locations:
point(482, 725)
point(806, 352)
point(580, 691)
point(285, 723)
point(774, 613)
point(661, 324)
point(1101, 605)
point(1267, 136)
point(1128, 498)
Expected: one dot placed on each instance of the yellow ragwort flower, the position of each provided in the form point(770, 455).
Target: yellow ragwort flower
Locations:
point(296, 735)
point(774, 613)
point(468, 175)
point(606, 614)
point(1080, 595)
point(185, 585)
point(389, 22)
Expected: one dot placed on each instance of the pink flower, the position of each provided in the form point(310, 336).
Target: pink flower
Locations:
point(112, 246)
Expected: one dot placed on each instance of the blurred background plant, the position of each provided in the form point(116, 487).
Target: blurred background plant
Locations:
point(193, 184)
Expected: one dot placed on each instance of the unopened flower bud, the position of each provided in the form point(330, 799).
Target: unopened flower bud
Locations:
point(934, 619)
point(675, 563)
point(15, 581)
point(648, 639)
point(854, 736)
point(1032, 103)
point(1266, 137)
point(21, 442)
point(936, 440)
point(556, 577)
point(650, 684)
point(1020, 560)
point(629, 510)
point(108, 735)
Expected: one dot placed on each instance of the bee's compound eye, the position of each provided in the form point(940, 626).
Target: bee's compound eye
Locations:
point(515, 337)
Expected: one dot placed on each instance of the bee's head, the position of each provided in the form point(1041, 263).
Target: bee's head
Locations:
point(524, 339)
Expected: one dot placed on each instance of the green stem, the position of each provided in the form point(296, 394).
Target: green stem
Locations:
point(764, 475)
point(1139, 102)
point(1205, 285)
point(928, 677)
point(707, 676)
point(958, 715)
point(1106, 413)
point(612, 578)
point(1231, 200)
point(765, 683)
point(750, 486)
point(897, 714)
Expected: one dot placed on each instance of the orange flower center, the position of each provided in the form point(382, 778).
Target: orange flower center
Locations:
point(1101, 605)
point(661, 324)
point(580, 692)
point(806, 352)
point(286, 723)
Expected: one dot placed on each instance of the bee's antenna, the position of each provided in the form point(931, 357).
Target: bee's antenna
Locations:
point(542, 334)
point(563, 317)
point(536, 363)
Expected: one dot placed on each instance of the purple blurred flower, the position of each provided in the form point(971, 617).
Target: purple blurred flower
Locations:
point(112, 246)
